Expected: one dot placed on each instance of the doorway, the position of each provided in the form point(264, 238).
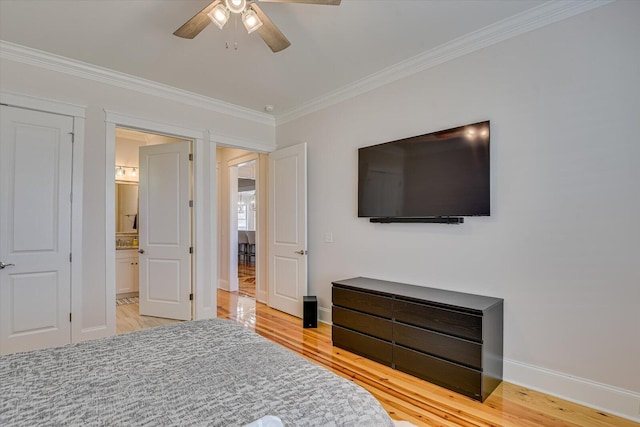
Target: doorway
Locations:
point(203, 252)
point(136, 261)
point(242, 222)
point(245, 226)
point(281, 224)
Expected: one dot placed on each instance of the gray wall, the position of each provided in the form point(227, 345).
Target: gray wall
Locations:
point(562, 243)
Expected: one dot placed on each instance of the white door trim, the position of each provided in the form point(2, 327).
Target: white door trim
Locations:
point(204, 188)
point(78, 333)
point(43, 104)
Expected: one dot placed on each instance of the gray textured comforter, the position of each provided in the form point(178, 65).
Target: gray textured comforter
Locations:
point(208, 373)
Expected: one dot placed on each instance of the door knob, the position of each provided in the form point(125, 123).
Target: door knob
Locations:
point(301, 252)
point(3, 265)
point(141, 251)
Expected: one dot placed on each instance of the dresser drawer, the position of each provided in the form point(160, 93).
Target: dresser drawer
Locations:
point(364, 323)
point(439, 319)
point(458, 350)
point(364, 345)
point(455, 377)
point(364, 302)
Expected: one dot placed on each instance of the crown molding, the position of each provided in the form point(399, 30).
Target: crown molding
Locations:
point(38, 58)
point(532, 19)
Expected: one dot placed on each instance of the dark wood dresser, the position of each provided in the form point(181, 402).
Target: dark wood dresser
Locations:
point(452, 339)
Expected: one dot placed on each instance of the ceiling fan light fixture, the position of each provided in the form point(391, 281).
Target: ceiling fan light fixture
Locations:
point(251, 21)
point(219, 15)
point(236, 6)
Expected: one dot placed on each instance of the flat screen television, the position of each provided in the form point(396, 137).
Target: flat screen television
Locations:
point(439, 174)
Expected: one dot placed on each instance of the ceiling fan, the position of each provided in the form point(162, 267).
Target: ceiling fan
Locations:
point(253, 19)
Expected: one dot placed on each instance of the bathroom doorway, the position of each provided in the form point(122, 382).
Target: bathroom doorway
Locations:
point(128, 261)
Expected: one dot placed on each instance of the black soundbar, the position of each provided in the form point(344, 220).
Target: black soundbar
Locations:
point(431, 220)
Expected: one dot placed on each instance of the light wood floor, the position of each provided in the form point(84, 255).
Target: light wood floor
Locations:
point(403, 396)
point(128, 319)
point(247, 279)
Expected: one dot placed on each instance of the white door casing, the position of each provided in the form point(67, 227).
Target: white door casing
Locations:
point(288, 228)
point(35, 229)
point(204, 233)
point(165, 230)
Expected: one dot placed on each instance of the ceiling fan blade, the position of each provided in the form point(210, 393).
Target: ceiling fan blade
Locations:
point(327, 2)
point(193, 26)
point(271, 35)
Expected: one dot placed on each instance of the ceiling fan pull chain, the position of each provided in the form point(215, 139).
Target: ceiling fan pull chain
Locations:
point(235, 31)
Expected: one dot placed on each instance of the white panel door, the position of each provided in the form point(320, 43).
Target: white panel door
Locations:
point(165, 230)
point(35, 229)
point(288, 228)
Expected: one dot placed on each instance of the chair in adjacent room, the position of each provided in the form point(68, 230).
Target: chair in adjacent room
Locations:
point(243, 247)
point(251, 247)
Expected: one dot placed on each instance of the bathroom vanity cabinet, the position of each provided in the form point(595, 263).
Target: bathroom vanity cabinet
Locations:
point(126, 271)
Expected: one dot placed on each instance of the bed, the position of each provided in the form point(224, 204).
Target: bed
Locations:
point(210, 372)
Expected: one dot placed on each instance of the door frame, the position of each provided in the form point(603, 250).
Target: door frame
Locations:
point(204, 212)
point(77, 112)
point(261, 292)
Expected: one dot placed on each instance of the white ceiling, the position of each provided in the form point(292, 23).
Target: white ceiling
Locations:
point(331, 46)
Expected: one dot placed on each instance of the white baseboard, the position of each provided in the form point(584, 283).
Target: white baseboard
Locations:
point(261, 296)
point(94, 333)
point(616, 401)
point(223, 284)
point(324, 315)
point(613, 400)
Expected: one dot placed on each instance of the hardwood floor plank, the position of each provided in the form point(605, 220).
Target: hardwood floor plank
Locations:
point(128, 319)
point(404, 397)
point(247, 278)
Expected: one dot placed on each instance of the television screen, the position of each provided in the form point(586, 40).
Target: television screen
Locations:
point(439, 174)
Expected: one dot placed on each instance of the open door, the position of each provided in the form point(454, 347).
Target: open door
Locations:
point(165, 230)
point(288, 228)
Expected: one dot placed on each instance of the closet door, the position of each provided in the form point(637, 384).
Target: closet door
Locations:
point(35, 229)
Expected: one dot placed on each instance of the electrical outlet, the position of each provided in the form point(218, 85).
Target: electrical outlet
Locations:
point(328, 237)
